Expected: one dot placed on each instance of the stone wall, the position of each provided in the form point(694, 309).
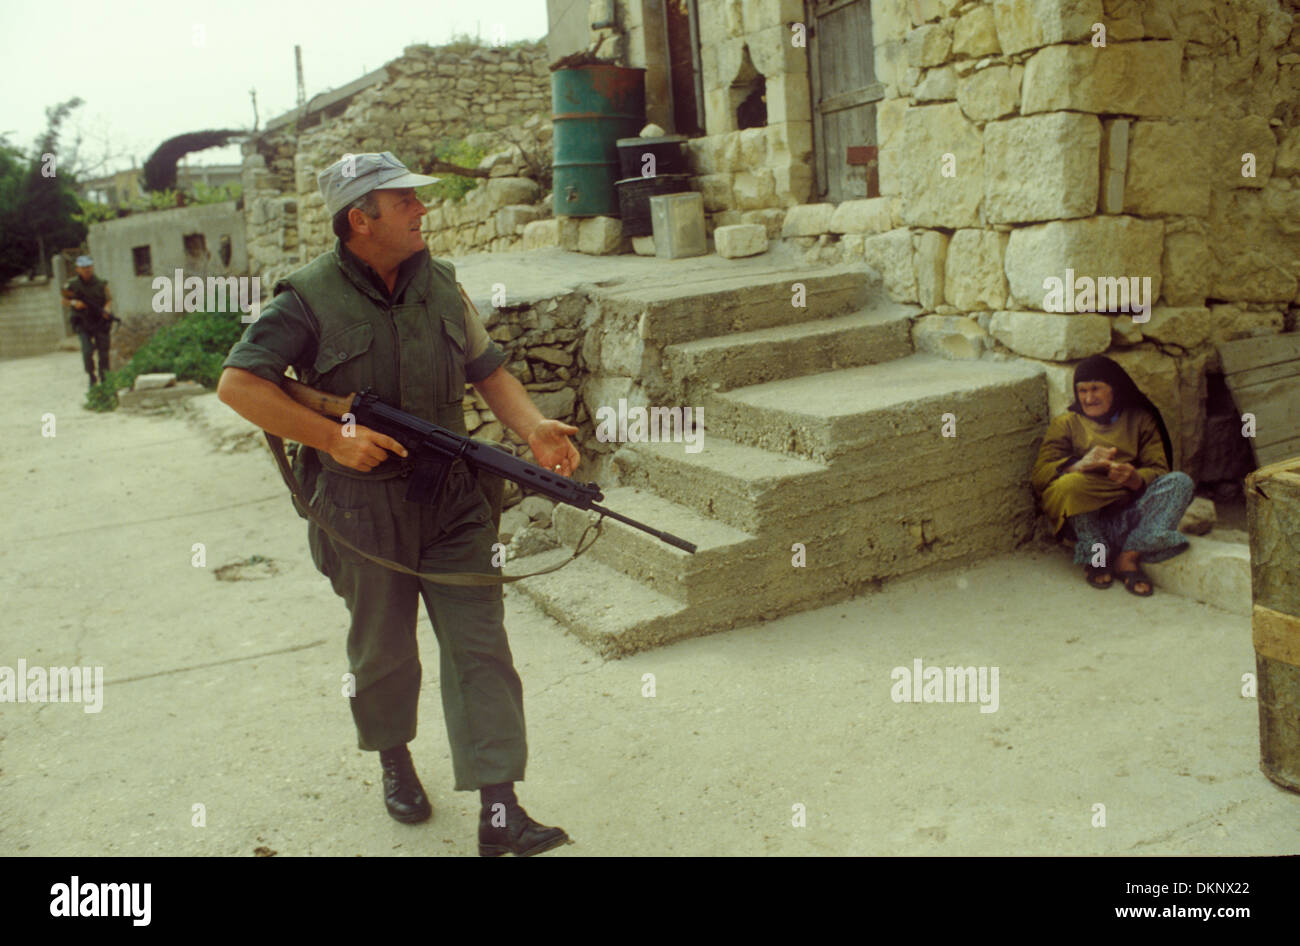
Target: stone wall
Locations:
point(430, 94)
point(202, 240)
point(31, 317)
point(1014, 146)
point(493, 216)
point(545, 343)
point(736, 170)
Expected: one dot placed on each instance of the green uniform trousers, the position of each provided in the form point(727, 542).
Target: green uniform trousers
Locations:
point(92, 343)
point(482, 697)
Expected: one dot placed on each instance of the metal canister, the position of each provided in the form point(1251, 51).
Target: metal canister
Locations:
point(592, 106)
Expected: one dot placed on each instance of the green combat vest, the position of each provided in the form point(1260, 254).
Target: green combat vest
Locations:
point(95, 295)
point(412, 355)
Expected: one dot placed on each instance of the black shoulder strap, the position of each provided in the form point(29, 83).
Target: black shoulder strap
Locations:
point(276, 445)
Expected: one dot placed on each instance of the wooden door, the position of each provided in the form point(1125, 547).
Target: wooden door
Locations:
point(684, 67)
point(844, 93)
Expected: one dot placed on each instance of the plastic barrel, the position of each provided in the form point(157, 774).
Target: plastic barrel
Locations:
point(592, 107)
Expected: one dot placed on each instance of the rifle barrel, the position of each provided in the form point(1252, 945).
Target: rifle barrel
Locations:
point(663, 536)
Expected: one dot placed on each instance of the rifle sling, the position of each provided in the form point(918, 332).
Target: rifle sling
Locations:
point(442, 578)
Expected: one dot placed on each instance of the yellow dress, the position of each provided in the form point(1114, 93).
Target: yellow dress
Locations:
point(1136, 439)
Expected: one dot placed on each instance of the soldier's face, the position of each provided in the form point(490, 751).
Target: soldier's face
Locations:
point(397, 228)
point(86, 272)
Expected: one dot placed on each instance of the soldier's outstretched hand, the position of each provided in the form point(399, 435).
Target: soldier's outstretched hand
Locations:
point(552, 448)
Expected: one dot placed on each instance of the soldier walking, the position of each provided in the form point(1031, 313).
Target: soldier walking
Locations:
point(92, 309)
point(379, 312)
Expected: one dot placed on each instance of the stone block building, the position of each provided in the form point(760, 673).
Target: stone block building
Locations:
point(201, 240)
point(978, 153)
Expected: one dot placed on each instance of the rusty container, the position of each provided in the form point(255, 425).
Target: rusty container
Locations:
point(1273, 514)
point(593, 107)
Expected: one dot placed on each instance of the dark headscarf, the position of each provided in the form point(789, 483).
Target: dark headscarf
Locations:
point(1126, 393)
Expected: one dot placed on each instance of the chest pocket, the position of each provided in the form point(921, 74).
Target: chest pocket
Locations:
point(340, 361)
point(453, 332)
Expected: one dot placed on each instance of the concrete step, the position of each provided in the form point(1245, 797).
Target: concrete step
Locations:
point(606, 610)
point(1211, 571)
point(865, 337)
point(719, 303)
point(745, 487)
point(858, 410)
point(808, 490)
point(616, 615)
point(721, 550)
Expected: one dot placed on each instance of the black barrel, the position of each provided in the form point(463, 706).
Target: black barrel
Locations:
point(634, 195)
point(669, 155)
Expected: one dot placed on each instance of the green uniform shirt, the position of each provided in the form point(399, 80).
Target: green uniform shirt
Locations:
point(285, 335)
point(1136, 439)
point(94, 293)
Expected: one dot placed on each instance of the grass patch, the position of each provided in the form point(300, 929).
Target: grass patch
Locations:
point(192, 349)
point(453, 187)
point(463, 43)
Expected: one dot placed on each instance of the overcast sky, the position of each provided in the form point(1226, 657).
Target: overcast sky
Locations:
point(151, 69)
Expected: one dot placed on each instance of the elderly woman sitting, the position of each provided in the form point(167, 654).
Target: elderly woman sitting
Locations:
point(1105, 467)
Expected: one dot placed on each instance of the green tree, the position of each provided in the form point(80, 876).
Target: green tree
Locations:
point(15, 249)
point(39, 208)
point(49, 206)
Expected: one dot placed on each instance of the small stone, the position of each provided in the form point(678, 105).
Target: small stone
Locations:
point(538, 509)
point(532, 541)
point(740, 240)
point(552, 356)
point(1199, 518)
point(148, 382)
point(513, 521)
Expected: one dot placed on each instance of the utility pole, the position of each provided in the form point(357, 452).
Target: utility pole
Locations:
point(252, 93)
point(302, 87)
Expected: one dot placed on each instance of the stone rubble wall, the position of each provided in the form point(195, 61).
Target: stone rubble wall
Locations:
point(493, 216)
point(549, 352)
point(32, 313)
point(1012, 149)
point(431, 94)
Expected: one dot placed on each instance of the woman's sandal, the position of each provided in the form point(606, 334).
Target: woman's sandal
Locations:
point(1131, 580)
point(1094, 575)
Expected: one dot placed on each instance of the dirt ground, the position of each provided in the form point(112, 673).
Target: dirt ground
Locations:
point(226, 694)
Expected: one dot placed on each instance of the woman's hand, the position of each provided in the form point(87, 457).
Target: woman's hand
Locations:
point(1125, 474)
point(1098, 459)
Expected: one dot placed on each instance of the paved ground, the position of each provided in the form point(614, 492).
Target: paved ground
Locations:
point(226, 694)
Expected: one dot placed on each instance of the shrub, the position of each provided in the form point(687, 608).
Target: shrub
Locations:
point(454, 186)
point(192, 349)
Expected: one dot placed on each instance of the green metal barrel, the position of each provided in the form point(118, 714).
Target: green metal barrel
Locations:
point(592, 107)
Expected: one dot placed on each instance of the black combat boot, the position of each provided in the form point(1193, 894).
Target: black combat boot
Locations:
point(505, 828)
point(403, 794)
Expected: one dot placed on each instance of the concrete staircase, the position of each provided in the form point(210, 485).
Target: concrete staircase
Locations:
point(822, 444)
